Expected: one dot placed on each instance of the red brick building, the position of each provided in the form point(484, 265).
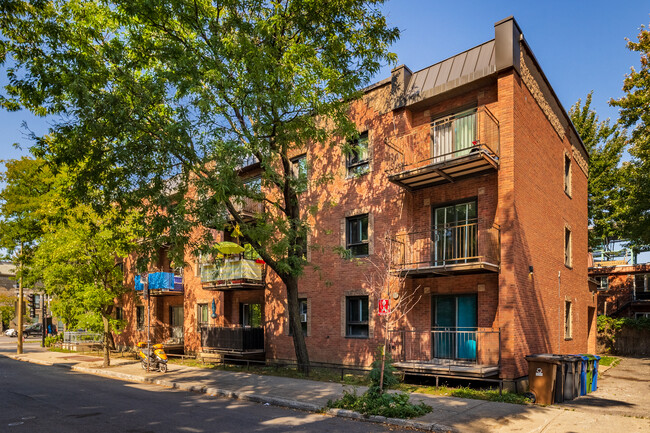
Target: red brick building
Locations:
point(623, 288)
point(473, 169)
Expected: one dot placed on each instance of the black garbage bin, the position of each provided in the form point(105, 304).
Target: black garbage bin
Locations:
point(571, 380)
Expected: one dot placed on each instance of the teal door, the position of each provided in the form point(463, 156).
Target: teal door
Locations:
point(455, 322)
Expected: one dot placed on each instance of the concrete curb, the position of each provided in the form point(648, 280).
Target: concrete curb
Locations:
point(245, 396)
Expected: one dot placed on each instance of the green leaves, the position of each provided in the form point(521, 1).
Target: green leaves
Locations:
point(635, 114)
point(605, 144)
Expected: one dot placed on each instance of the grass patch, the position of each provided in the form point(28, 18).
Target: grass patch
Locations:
point(609, 361)
point(466, 392)
point(392, 405)
point(319, 374)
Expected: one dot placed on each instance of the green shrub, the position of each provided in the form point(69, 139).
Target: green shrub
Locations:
point(390, 380)
point(610, 327)
point(51, 340)
point(391, 405)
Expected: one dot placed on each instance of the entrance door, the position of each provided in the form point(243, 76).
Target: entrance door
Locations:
point(455, 234)
point(454, 332)
point(176, 322)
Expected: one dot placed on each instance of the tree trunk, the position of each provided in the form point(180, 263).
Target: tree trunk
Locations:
point(107, 337)
point(302, 357)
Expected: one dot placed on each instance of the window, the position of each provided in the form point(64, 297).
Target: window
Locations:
point(603, 283)
point(356, 240)
point(357, 161)
point(455, 233)
point(567, 247)
point(453, 136)
point(641, 315)
point(356, 324)
point(299, 167)
point(254, 184)
point(139, 317)
point(251, 315)
point(119, 315)
point(176, 316)
point(302, 311)
point(568, 320)
point(37, 301)
point(641, 282)
point(567, 175)
point(203, 314)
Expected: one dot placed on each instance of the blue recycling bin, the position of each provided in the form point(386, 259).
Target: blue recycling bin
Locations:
point(594, 382)
point(583, 375)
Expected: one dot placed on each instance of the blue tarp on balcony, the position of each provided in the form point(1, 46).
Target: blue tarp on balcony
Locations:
point(161, 281)
point(139, 286)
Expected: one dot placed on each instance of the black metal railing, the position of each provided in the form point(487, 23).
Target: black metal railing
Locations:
point(453, 345)
point(444, 140)
point(445, 245)
point(236, 339)
point(641, 296)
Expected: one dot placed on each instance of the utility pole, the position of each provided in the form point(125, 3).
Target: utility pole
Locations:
point(43, 319)
point(19, 348)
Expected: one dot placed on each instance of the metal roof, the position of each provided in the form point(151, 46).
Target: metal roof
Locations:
point(462, 68)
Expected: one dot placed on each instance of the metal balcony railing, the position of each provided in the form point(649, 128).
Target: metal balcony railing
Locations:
point(233, 272)
point(235, 339)
point(248, 207)
point(453, 346)
point(447, 245)
point(455, 146)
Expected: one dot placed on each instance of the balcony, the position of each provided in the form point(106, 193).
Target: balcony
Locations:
point(248, 208)
point(470, 352)
point(160, 284)
point(445, 150)
point(641, 296)
point(233, 274)
point(470, 247)
point(236, 339)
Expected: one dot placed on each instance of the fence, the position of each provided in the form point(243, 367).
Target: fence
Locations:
point(82, 337)
point(236, 339)
point(480, 346)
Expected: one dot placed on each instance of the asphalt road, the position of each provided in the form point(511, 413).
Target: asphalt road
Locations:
point(36, 398)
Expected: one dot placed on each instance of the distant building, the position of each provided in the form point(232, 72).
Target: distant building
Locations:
point(623, 284)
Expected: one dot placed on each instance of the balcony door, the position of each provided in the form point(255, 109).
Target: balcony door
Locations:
point(176, 318)
point(455, 320)
point(453, 137)
point(455, 234)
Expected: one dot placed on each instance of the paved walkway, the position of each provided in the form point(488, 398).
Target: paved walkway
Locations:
point(449, 413)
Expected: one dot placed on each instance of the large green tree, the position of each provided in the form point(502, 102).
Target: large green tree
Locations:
point(77, 261)
point(635, 114)
point(605, 144)
point(160, 96)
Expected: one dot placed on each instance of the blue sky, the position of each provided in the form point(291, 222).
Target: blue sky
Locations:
point(580, 46)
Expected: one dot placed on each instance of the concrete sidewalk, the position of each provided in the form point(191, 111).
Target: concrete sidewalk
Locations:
point(449, 413)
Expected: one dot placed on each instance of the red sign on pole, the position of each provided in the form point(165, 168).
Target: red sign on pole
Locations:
point(384, 307)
